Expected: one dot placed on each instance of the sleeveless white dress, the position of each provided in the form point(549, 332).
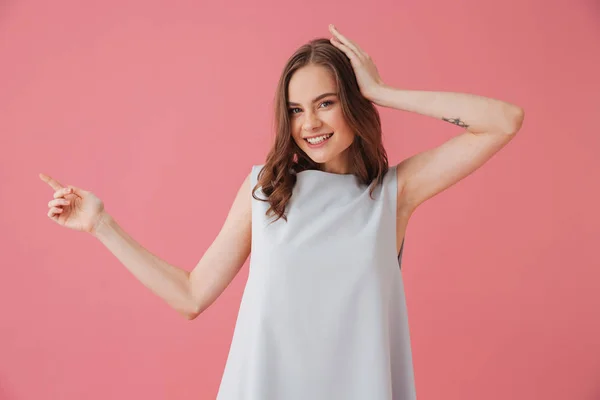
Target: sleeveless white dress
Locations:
point(323, 315)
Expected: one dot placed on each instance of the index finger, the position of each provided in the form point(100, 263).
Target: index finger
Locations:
point(54, 184)
point(352, 45)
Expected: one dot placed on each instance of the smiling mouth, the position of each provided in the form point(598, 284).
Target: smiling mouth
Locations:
point(319, 139)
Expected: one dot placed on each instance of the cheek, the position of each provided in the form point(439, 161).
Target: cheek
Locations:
point(296, 129)
point(336, 120)
point(338, 123)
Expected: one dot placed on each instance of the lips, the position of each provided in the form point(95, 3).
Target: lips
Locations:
point(317, 139)
point(316, 136)
point(322, 139)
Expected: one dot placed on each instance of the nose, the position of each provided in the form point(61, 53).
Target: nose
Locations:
point(311, 122)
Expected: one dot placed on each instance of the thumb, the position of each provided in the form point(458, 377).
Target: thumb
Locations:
point(78, 191)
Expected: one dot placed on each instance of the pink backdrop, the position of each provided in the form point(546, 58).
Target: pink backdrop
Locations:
point(161, 108)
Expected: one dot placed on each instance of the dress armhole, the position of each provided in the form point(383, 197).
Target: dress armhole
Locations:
point(392, 193)
point(253, 176)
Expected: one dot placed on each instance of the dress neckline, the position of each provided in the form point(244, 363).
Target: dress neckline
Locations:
point(318, 171)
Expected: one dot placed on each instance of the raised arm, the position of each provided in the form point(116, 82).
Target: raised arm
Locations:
point(490, 125)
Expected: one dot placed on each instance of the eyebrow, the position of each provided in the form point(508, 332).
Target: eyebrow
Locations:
point(315, 99)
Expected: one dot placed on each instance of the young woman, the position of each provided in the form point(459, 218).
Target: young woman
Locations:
point(323, 315)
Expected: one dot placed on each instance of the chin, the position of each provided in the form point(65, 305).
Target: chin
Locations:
point(319, 158)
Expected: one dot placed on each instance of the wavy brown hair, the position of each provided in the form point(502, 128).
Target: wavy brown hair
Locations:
point(368, 158)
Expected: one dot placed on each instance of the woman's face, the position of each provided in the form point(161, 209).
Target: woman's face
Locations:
point(317, 123)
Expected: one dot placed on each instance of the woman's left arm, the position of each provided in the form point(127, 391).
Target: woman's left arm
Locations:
point(489, 123)
point(477, 114)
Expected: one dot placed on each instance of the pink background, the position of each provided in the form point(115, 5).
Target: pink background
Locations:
point(161, 108)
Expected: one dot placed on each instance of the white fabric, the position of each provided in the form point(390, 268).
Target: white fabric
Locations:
point(323, 315)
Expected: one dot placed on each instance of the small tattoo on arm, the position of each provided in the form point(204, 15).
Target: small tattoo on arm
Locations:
point(456, 121)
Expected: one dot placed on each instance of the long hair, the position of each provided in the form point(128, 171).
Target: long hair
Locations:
point(368, 158)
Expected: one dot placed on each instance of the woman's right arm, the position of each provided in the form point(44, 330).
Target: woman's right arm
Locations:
point(189, 293)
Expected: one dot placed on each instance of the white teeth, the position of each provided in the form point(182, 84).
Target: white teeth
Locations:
point(319, 139)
